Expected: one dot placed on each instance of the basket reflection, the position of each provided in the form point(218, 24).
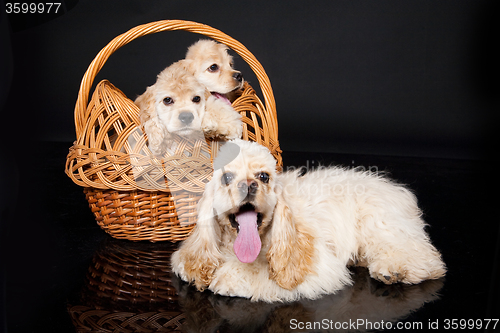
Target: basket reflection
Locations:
point(129, 287)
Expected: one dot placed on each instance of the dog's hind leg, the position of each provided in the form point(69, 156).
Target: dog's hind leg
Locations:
point(401, 253)
point(393, 241)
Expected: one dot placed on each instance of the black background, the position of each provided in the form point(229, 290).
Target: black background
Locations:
point(408, 78)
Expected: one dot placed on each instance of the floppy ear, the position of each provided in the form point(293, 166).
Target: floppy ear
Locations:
point(291, 253)
point(149, 119)
point(146, 102)
point(156, 135)
point(199, 254)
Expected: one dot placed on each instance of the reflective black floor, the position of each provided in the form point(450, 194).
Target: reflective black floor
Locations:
point(63, 274)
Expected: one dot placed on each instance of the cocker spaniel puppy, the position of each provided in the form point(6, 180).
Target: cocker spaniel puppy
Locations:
point(212, 66)
point(179, 104)
point(280, 237)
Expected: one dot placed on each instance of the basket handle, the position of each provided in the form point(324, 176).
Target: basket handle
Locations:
point(172, 25)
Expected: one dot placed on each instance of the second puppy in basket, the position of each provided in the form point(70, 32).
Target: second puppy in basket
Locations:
point(179, 104)
point(212, 66)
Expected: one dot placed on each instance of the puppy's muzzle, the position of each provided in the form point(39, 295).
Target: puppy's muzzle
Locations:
point(186, 117)
point(238, 77)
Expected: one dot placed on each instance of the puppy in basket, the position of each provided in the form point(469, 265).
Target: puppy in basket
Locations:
point(179, 104)
point(212, 66)
point(189, 96)
point(281, 237)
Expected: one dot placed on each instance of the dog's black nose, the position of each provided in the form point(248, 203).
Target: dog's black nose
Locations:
point(238, 77)
point(248, 186)
point(186, 117)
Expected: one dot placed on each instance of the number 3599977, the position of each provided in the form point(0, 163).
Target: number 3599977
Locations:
point(32, 7)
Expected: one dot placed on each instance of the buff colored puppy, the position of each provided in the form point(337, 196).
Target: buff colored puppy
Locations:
point(179, 104)
point(281, 237)
point(212, 66)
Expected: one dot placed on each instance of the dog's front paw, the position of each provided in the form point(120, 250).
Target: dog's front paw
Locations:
point(224, 131)
point(209, 127)
point(230, 130)
point(192, 269)
point(235, 130)
point(221, 121)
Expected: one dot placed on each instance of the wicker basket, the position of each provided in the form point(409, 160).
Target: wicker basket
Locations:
point(128, 288)
point(136, 196)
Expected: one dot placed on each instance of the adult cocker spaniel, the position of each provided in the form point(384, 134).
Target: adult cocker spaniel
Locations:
point(274, 236)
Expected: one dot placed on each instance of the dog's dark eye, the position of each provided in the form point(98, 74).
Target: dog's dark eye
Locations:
point(168, 100)
point(213, 68)
point(263, 177)
point(196, 99)
point(227, 178)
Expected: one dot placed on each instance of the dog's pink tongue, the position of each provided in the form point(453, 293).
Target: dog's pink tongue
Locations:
point(247, 245)
point(222, 97)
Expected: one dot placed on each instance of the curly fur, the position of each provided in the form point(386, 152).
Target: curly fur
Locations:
point(161, 120)
point(312, 228)
point(205, 53)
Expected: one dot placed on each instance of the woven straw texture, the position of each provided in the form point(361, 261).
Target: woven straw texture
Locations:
point(133, 194)
point(128, 289)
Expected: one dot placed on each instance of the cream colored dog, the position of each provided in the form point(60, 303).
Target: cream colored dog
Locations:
point(281, 237)
point(179, 104)
point(212, 66)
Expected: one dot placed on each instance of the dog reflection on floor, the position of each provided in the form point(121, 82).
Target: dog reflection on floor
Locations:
point(367, 299)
